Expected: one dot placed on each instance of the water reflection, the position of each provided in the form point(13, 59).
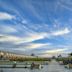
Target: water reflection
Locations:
point(1, 70)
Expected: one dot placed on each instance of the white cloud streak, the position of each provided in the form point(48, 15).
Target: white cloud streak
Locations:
point(8, 38)
point(6, 16)
point(33, 37)
point(18, 40)
point(37, 45)
point(50, 53)
point(61, 32)
point(32, 46)
point(64, 5)
point(56, 51)
point(7, 29)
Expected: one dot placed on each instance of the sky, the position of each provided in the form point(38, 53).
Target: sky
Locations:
point(42, 27)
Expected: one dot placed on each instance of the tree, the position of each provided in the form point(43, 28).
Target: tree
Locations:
point(32, 54)
point(59, 56)
point(70, 54)
point(53, 57)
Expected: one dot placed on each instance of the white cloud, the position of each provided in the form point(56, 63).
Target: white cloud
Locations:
point(19, 40)
point(55, 51)
point(31, 8)
point(61, 32)
point(66, 6)
point(37, 45)
point(7, 29)
point(19, 49)
point(8, 38)
point(25, 21)
point(31, 46)
point(6, 16)
point(32, 37)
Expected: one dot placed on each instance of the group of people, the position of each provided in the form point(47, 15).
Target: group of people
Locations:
point(38, 66)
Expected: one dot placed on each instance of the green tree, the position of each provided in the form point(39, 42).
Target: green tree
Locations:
point(70, 54)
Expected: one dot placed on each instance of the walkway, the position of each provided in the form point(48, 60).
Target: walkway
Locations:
point(55, 67)
point(52, 67)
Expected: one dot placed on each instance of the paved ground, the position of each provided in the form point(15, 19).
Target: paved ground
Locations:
point(52, 67)
point(55, 67)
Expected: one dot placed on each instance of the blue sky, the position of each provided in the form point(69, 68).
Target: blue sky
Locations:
point(43, 27)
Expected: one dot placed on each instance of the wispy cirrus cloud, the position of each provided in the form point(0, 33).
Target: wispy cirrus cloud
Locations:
point(37, 45)
point(6, 16)
point(25, 22)
point(32, 46)
point(19, 40)
point(52, 52)
point(7, 29)
point(66, 4)
point(34, 37)
point(61, 32)
point(55, 51)
point(8, 38)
